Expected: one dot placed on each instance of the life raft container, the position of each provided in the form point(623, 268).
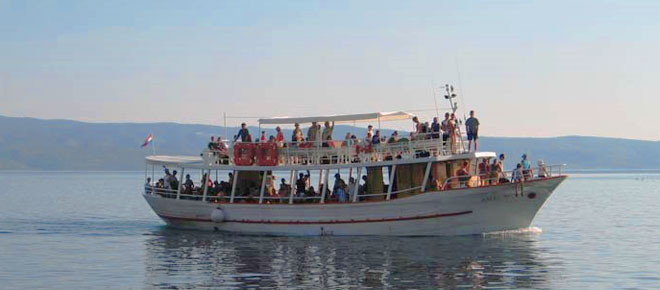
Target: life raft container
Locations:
point(267, 154)
point(244, 154)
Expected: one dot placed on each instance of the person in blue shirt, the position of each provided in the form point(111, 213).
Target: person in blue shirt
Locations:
point(435, 128)
point(243, 133)
point(526, 167)
point(376, 139)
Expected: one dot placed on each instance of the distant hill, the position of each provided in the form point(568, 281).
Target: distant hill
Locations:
point(35, 144)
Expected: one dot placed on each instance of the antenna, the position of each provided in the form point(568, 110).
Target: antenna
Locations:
point(435, 100)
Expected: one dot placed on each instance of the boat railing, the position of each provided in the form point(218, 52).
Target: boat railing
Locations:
point(328, 152)
point(488, 178)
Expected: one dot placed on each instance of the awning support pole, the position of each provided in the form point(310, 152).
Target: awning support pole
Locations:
point(426, 175)
point(391, 185)
point(233, 187)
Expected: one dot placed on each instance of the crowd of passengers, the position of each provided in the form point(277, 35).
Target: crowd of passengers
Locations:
point(340, 192)
point(317, 135)
point(487, 174)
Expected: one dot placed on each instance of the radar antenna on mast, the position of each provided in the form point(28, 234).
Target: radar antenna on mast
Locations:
point(450, 96)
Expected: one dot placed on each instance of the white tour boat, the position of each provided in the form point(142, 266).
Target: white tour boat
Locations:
point(403, 187)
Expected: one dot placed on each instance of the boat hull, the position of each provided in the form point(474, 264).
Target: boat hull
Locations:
point(450, 212)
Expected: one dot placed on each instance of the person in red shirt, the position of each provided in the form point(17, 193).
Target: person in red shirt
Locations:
point(279, 137)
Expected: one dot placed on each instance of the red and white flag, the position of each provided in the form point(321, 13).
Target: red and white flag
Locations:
point(148, 140)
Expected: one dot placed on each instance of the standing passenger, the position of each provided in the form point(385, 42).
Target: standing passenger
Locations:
point(444, 126)
point(376, 139)
point(472, 129)
point(297, 136)
point(280, 137)
point(451, 127)
point(417, 126)
point(327, 131)
point(243, 133)
point(526, 167)
point(311, 132)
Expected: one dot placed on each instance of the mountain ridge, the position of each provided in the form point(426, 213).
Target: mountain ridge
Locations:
point(28, 143)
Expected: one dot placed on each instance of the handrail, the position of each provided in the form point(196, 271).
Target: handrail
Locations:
point(342, 151)
point(490, 180)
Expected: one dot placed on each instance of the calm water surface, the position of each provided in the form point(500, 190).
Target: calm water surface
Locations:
point(75, 230)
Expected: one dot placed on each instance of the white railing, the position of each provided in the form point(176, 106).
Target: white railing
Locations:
point(342, 151)
point(501, 177)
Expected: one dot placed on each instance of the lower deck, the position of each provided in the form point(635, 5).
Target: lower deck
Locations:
point(449, 212)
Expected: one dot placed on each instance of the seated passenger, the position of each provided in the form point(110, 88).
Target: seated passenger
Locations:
point(543, 171)
point(285, 189)
point(220, 146)
point(426, 130)
point(212, 145)
point(147, 186)
point(347, 140)
point(394, 138)
point(435, 128)
point(484, 171)
point(312, 192)
point(463, 174)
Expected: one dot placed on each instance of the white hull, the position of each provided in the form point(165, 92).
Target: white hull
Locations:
point(450, 212)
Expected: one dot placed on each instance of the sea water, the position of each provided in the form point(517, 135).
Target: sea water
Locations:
point(84, 230)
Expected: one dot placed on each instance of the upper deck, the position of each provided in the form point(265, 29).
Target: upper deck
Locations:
point(316, 153)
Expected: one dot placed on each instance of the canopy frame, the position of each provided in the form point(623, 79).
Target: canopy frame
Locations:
point(346, 119)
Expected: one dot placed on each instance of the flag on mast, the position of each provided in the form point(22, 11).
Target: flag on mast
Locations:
point(148, 140)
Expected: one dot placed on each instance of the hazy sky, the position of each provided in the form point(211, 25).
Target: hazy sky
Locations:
point(529, 68)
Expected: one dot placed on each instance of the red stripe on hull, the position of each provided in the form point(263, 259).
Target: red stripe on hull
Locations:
point(324, 222)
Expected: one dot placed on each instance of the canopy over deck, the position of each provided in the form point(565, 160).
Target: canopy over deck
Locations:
point(367, 117)
point(175, 160)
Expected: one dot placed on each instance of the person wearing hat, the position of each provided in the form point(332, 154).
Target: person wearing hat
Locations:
point(543, 171)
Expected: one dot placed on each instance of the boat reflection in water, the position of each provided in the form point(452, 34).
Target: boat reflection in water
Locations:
point(185, 259)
